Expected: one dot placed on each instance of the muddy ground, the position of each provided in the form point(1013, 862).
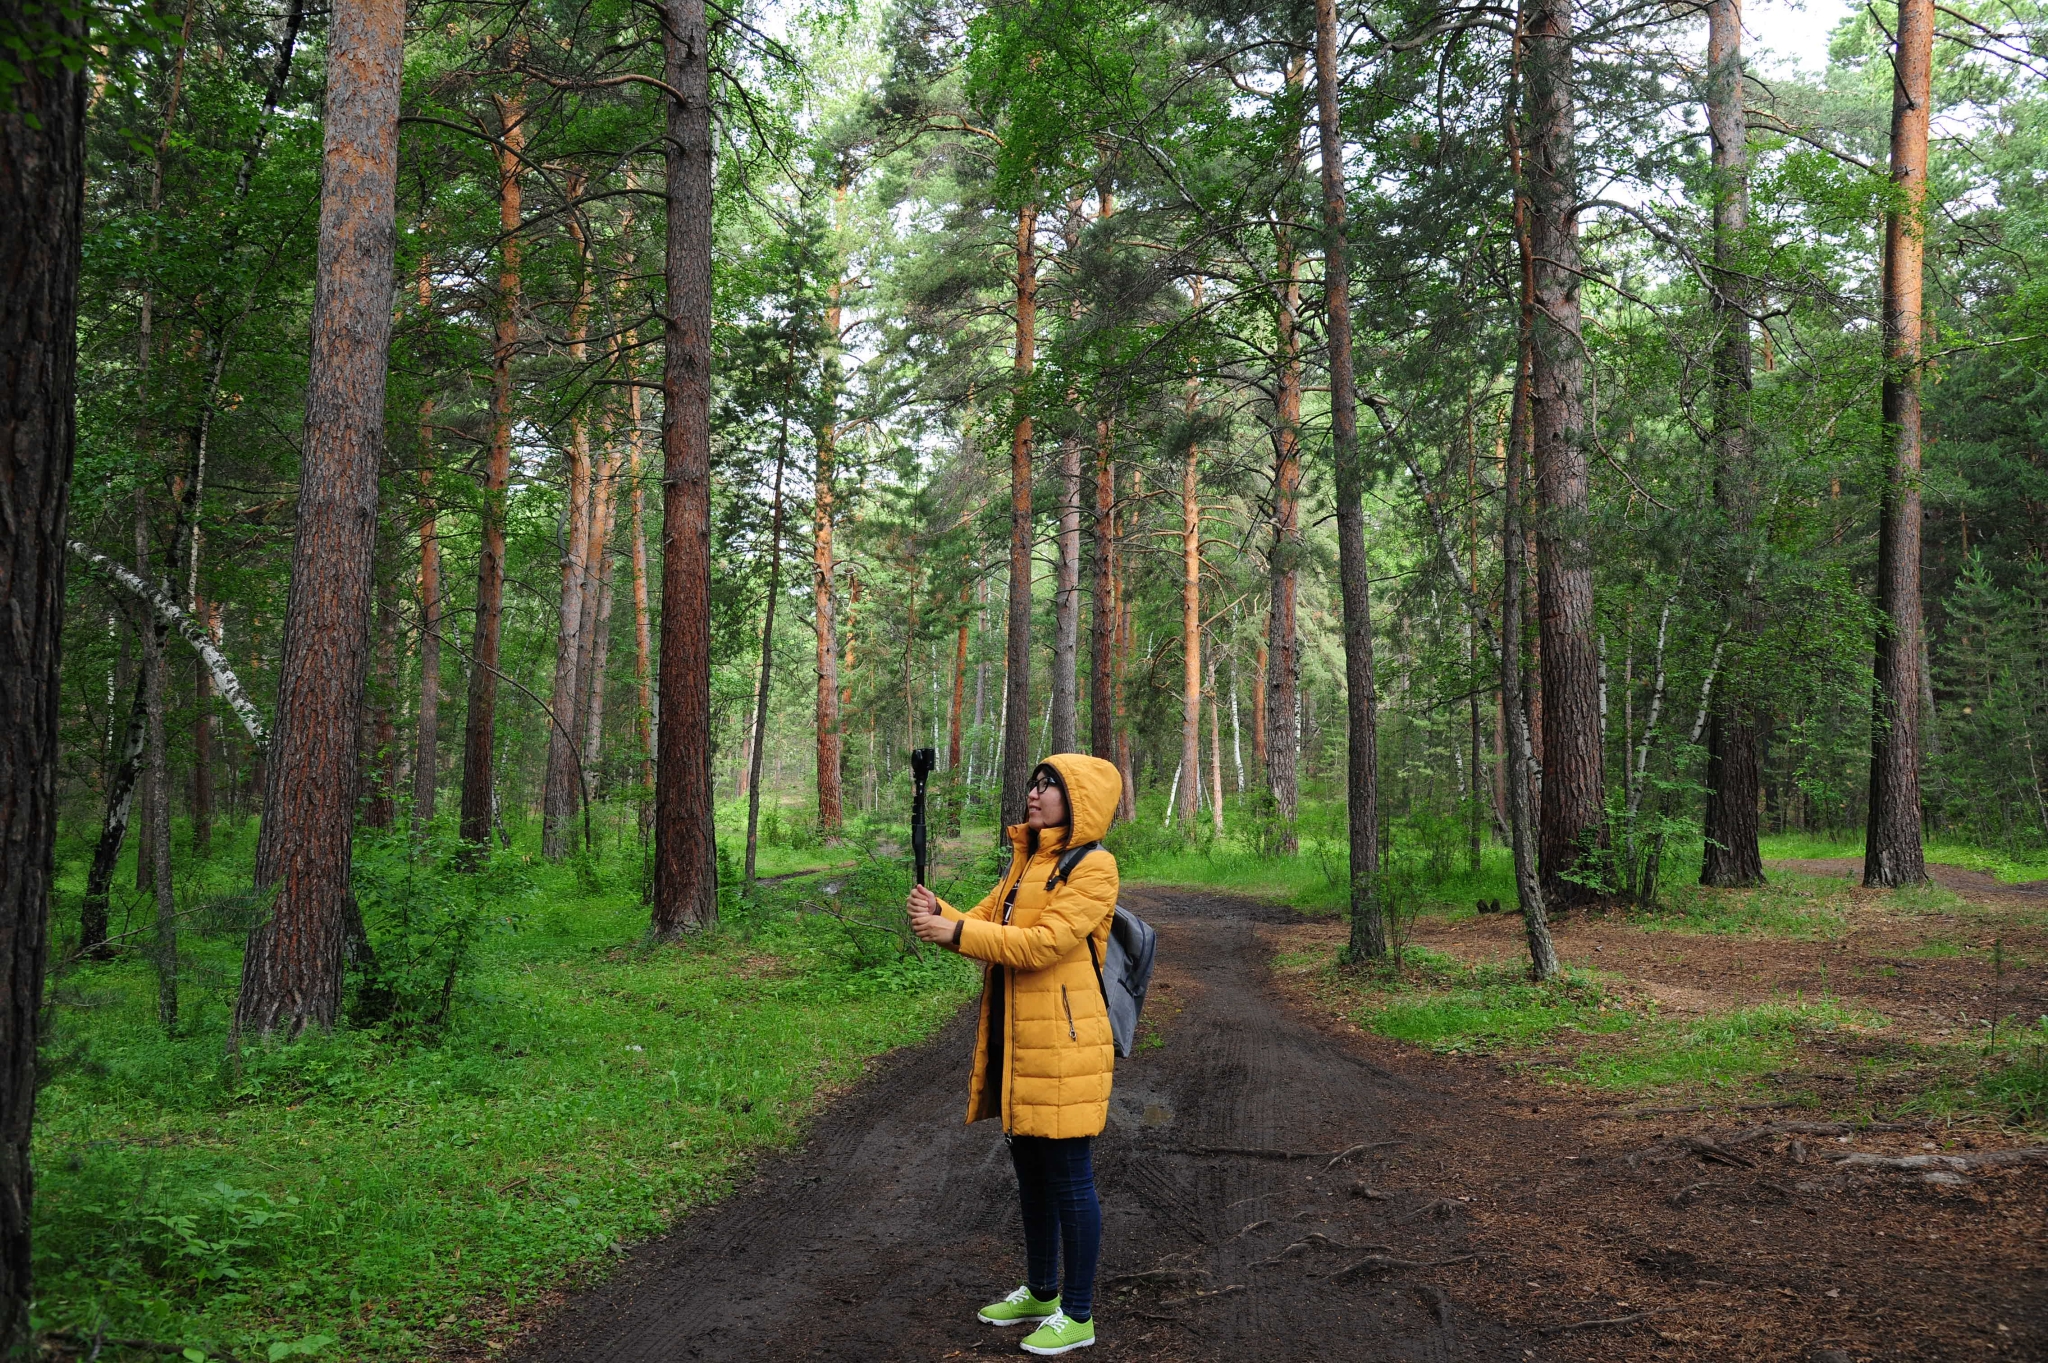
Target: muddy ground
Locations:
point(1278, 1186)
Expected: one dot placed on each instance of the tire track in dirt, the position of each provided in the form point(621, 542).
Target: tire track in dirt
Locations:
point(878, 1239)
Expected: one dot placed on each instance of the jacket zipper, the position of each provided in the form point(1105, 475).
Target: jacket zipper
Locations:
point(1068, 1004)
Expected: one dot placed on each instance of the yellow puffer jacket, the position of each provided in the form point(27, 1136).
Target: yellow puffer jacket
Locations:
point(1057, 1049)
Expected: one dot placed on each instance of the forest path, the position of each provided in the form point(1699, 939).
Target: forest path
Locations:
point(879, 1237)
point(1978, 885)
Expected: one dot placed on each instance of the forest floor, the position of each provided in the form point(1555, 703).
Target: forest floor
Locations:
point(1673, 1155)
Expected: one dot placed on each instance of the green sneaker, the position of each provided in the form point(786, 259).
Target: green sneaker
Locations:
point(1020, 1306)
point(1059, 1334)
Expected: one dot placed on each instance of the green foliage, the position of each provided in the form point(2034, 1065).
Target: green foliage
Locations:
point(388, 1186)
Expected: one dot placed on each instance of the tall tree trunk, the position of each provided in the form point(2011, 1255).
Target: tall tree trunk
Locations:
point(685, 849)
point(42, 177)
point(480, 723)
point(1574, 801)
point(1017, 757)
point(1368, 931)
point(121, 783)
point(1066, 604)
point(157, 812)
point(426, 773)
point(145, 835)
point(562, 790)
point(292, 970)
point(643, 637)
point(760, 734)
point(380, 764)
point(592, 680)
point(207, 615)
point(1892, 853)
point(1474, 611)
point(1259, 668)
point(824, 603)
point(1276, 736)
point(1127, 807)
point(1190, 619)
point(1523, 834)
point(1215, 749)
point(1731, 856)
point(1102, 615)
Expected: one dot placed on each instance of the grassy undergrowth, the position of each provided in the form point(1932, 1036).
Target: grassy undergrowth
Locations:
point(1594, 1030)
point(2013, 867)
point(367, 1193)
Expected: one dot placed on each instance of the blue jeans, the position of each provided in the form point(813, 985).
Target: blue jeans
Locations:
point(1056, 1188)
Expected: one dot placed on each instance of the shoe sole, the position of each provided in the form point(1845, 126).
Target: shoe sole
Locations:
point(1062, 1349)
point(1019, 1320)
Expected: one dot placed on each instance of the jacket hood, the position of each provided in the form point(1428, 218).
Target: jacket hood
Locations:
point(1094, 789)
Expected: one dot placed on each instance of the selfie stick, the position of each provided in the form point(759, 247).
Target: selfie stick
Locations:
point(922, 761)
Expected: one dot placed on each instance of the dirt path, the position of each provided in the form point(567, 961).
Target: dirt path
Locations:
point(879, 1238)
point(1594, 1229)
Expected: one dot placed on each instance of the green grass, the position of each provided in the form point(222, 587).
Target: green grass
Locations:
point(1453, 1008)
point(366, 1193)
point(1732, 1050)
point(1790, 905)
point(2012, 867)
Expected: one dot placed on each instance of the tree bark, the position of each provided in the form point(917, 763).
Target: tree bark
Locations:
point(1190, 619)
point(208, 616)
point(1892, 854)
point(1276, 735)
point(643, 638)
point(42, 178)
point(1102, 615)
point(685, 849)
point(824, 602)
point(1731, 856)
point(591, 674)
point(562, 789)
point(1574, 802)
point(1368, 930)
point(480, 722)
point(1066, 605)
point(426, 775)
point(157, 812)
point(1017, 756)
point(760, 734)
point(1523, 833)
point(292, 970)
point(1215, 749)
point(121, 783)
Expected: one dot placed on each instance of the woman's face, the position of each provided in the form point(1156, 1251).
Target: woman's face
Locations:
point(1045, 806)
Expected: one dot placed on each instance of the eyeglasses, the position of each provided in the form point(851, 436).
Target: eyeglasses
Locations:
point(1043, 783)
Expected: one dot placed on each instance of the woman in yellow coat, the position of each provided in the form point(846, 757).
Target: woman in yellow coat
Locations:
point(1044, 1052)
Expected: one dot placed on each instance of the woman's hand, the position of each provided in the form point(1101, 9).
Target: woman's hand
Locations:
point(926, 920)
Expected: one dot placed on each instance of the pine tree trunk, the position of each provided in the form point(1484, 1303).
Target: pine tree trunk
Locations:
point(426, 775)
point(1731, 856)
point(1574, 801)
point(562, 789)
point(292, 970)
point(380, 752)
point(1017, 756)
point(1215, 749)
point(1892, 854)
point(824, 604)
point(643, 638)
point(592, 679)
point(1066, 605)
point(685, 850)
point(760, 728)
point(1259, 661)
point(1275, 731)
point(1368, 930)
point(42, 123)
point(1102, 615)
point(480, 721)
point(1190, 622)
point(1522, 832)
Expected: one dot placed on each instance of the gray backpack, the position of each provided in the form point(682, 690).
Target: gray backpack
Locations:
point(1126, 970)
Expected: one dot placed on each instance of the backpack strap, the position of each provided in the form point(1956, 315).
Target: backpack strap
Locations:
point(1064, 867)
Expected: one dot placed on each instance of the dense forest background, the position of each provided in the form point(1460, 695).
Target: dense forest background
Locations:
point(1025, 436)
